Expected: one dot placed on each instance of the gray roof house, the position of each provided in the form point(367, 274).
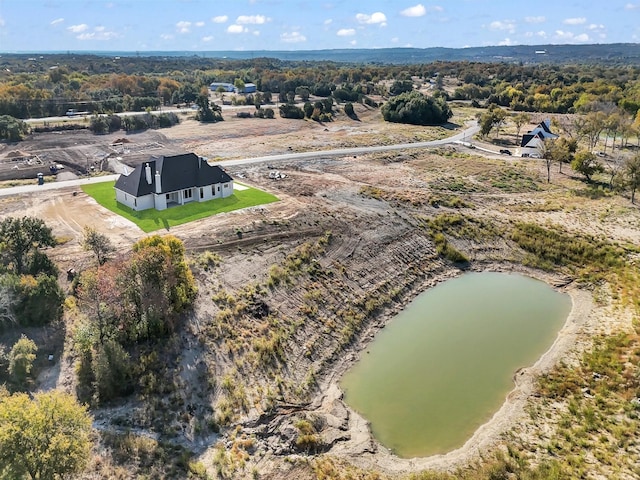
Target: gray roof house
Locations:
point(532, 141)
point(167, 181)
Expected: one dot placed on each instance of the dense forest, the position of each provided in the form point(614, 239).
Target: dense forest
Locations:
point(49, 85)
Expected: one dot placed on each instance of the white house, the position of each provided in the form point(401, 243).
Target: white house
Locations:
point(167, 181)
point(531, 143)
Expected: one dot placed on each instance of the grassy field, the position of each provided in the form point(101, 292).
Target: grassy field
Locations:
point(151, 220)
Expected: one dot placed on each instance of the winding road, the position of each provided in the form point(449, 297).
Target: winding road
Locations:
point(459, 138)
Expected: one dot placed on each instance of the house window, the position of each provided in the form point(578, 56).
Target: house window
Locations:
point(188, 193)
point(226, 185)
point(135, 202)
point(218, 187)
point(201, 193)
point(166, 196)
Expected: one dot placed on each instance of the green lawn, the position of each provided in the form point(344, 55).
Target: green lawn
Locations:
point(151, 220)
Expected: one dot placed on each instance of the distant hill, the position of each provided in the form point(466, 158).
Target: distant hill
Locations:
point(614, 53)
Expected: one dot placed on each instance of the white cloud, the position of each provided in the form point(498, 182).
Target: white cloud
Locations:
point(373, 19)
point(541, 34)
point(353, 43)
point(328, 21)
point(569, 37)
point(506, 42)
point(346, 32)
point(220, 19)
point(574, 21)
point(503, 25)
point(256, 33)
point(252, 20)
point(395, 40)
point(78, 28)
point(208, 38)
point(99, 33)
point(293, 37)
point(183, 26)
point(415, 11)
point(236, 29)
point(166, 36)
point(57, 21)
point(199, 24)
point(539, 19)
point(632, 6)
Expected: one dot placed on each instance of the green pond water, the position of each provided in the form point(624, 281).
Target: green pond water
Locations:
point(444, 365)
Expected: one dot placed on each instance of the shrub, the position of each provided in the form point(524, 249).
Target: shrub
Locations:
point(21, 358)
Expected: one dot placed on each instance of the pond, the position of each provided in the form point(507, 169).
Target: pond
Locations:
point(444, 365)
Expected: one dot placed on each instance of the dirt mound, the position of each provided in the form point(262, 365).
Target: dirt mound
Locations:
point(121, 140)
point(17, 154)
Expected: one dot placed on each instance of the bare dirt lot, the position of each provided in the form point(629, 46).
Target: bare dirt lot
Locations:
point(364, 221)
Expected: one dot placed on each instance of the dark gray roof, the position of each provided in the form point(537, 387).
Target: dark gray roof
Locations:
point(527, 137)
point(177, 172)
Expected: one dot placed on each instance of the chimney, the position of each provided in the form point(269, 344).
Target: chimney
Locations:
point(158, 183)
point(147, 172)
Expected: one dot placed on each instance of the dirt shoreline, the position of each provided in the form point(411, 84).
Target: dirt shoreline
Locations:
point(364, 451)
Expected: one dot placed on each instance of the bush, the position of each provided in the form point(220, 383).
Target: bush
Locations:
point(21, 358)
point(12, 129)
point(291, 111)
point(416, 109)
point(112, 371)
point(39, 299)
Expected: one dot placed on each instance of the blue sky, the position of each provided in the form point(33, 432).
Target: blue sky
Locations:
point(199, 25)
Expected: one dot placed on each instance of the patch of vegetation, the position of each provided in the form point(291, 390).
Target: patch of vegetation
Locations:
point(416, 198)
point(602, 408)
point(151, 220)
point(449, 201)
point(590, 257)
point(511, 179)
point(456, 184)
point(462, 226)
point(143, 457)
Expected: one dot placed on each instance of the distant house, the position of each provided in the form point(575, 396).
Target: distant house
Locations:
point(250, 88)
point(531, 144)
point(228, 87)
point(167, 181)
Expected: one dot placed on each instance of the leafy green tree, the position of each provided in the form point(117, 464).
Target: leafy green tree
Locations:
point(632, 175)
point(98, 243)
point(401, 86)
point(417, 109)
point(558, 150)
point(587, 164)
point(7, 300)
point(46, 438)
point(239, 84)
point(21, 358)
point(308, 109)
point(348, 110)
point(291, 111)
point(112, 371)
point(493, 117)
point(20, 237)
point(12, 129)
point(38, 300)
point(207, 111)
point(99, 124)
point(303, 92)
point(520, 119)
